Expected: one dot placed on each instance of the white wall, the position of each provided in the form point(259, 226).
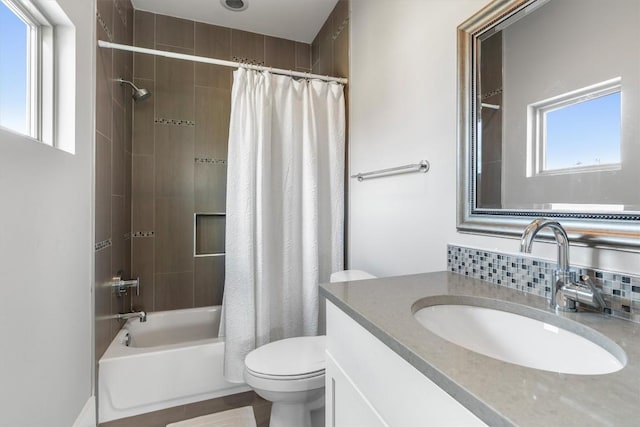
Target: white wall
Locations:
point(46, 260)
point(403, 109)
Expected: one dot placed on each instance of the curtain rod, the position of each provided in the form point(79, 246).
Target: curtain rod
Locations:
point(222, 62)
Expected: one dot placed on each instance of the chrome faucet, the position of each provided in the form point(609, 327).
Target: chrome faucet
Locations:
point(566, 291)
point(140, 314)
point(122, 285)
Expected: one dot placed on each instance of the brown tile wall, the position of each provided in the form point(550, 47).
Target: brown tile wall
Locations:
point(180, 150)
point(330, 49)
point(489, 182)
point(330, 56)
point(113, 165)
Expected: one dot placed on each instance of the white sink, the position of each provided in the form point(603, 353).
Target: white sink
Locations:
point(521, 340)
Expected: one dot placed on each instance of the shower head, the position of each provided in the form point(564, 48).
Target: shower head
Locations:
point(139, 94)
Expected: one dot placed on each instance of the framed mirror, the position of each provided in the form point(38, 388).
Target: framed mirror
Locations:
point(549, 119)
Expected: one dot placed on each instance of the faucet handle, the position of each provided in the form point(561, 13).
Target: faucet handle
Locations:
point(118, 277)
point(122, 285)
point(597, 295)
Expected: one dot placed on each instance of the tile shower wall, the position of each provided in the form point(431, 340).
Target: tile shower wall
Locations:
point(180, 150)
point(330, 48)
point(113, 165)
point(330, 56)
point(533, 275)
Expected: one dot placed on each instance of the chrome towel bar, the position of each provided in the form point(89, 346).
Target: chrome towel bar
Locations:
point(423, 167)
point(491, 106)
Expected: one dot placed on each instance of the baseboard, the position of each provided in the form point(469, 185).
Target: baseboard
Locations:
point(87, 417)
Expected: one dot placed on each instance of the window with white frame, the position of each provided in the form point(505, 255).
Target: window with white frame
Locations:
point(576, 132)
point(26, 70)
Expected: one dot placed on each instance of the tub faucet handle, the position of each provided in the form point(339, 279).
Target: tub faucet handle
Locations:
point(122, 285)
point(118, 276)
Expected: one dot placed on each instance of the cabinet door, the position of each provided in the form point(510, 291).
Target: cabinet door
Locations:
point(393, 389)
point(345, 405)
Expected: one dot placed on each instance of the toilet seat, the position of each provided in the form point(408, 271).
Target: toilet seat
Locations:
point(286, 377)
point(290, 358)
point(284, 384)
point(289, 365)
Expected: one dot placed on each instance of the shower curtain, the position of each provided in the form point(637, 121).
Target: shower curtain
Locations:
point(285, 208)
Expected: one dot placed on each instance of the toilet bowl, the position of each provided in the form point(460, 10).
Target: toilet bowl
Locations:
point(290, 373)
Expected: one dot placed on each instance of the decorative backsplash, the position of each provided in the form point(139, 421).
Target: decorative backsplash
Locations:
point(535, 275)
point(103, 244)
point(174, 122)
point(210, 161)
point(144, 234)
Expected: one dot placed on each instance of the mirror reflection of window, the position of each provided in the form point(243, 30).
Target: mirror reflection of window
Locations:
point(556, 92)
point(581, 134)
point(520, 54)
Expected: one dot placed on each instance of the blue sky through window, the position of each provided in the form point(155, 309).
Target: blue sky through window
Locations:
point(584, 134)
point(13, 71)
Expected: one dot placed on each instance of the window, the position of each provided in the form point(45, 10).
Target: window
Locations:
point(14, 95)
point(576, 132)
point(26, 70)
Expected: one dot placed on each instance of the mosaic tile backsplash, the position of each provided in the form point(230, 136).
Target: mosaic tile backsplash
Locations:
point(535, 275)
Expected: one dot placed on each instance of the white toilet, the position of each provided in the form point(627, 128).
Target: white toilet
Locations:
point(290, 373)
point(348, 275)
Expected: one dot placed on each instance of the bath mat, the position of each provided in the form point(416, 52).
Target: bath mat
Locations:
point(240, 417)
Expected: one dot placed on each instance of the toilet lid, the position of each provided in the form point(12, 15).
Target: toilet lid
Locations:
point(290, 357)
point(350, 275)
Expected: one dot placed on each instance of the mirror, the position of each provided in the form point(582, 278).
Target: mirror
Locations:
point(549, 112)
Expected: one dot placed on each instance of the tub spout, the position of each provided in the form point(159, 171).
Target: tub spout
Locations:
point(139, 314)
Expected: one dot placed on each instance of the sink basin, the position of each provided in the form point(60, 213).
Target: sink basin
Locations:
point(522, 340)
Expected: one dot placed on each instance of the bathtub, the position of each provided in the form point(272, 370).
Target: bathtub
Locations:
point(173, 358)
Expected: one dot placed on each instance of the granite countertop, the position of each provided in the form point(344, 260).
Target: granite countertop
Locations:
point(499, 393)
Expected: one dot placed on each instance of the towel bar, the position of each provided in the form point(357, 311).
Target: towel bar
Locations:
point(423, 166)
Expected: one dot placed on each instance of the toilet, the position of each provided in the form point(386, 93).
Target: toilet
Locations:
point(349, 275)
point(290, 373)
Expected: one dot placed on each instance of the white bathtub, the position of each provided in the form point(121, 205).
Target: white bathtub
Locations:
point(173, 358)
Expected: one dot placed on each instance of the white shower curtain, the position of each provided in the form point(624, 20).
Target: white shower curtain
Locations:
point(285, 208)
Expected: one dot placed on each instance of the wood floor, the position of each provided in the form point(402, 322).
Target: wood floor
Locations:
point(261, 408)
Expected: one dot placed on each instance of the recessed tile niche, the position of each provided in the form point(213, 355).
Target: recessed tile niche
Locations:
point(209, 234)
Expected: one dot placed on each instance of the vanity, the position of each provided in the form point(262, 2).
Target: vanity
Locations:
point(399, 350)
point(396, 357)
point(385, 368)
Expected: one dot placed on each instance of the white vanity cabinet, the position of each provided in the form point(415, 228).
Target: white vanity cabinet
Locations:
point(369, 385)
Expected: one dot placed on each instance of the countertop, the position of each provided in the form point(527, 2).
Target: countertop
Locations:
point(499, 393)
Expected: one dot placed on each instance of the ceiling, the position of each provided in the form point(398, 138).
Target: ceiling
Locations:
point(298, 20)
